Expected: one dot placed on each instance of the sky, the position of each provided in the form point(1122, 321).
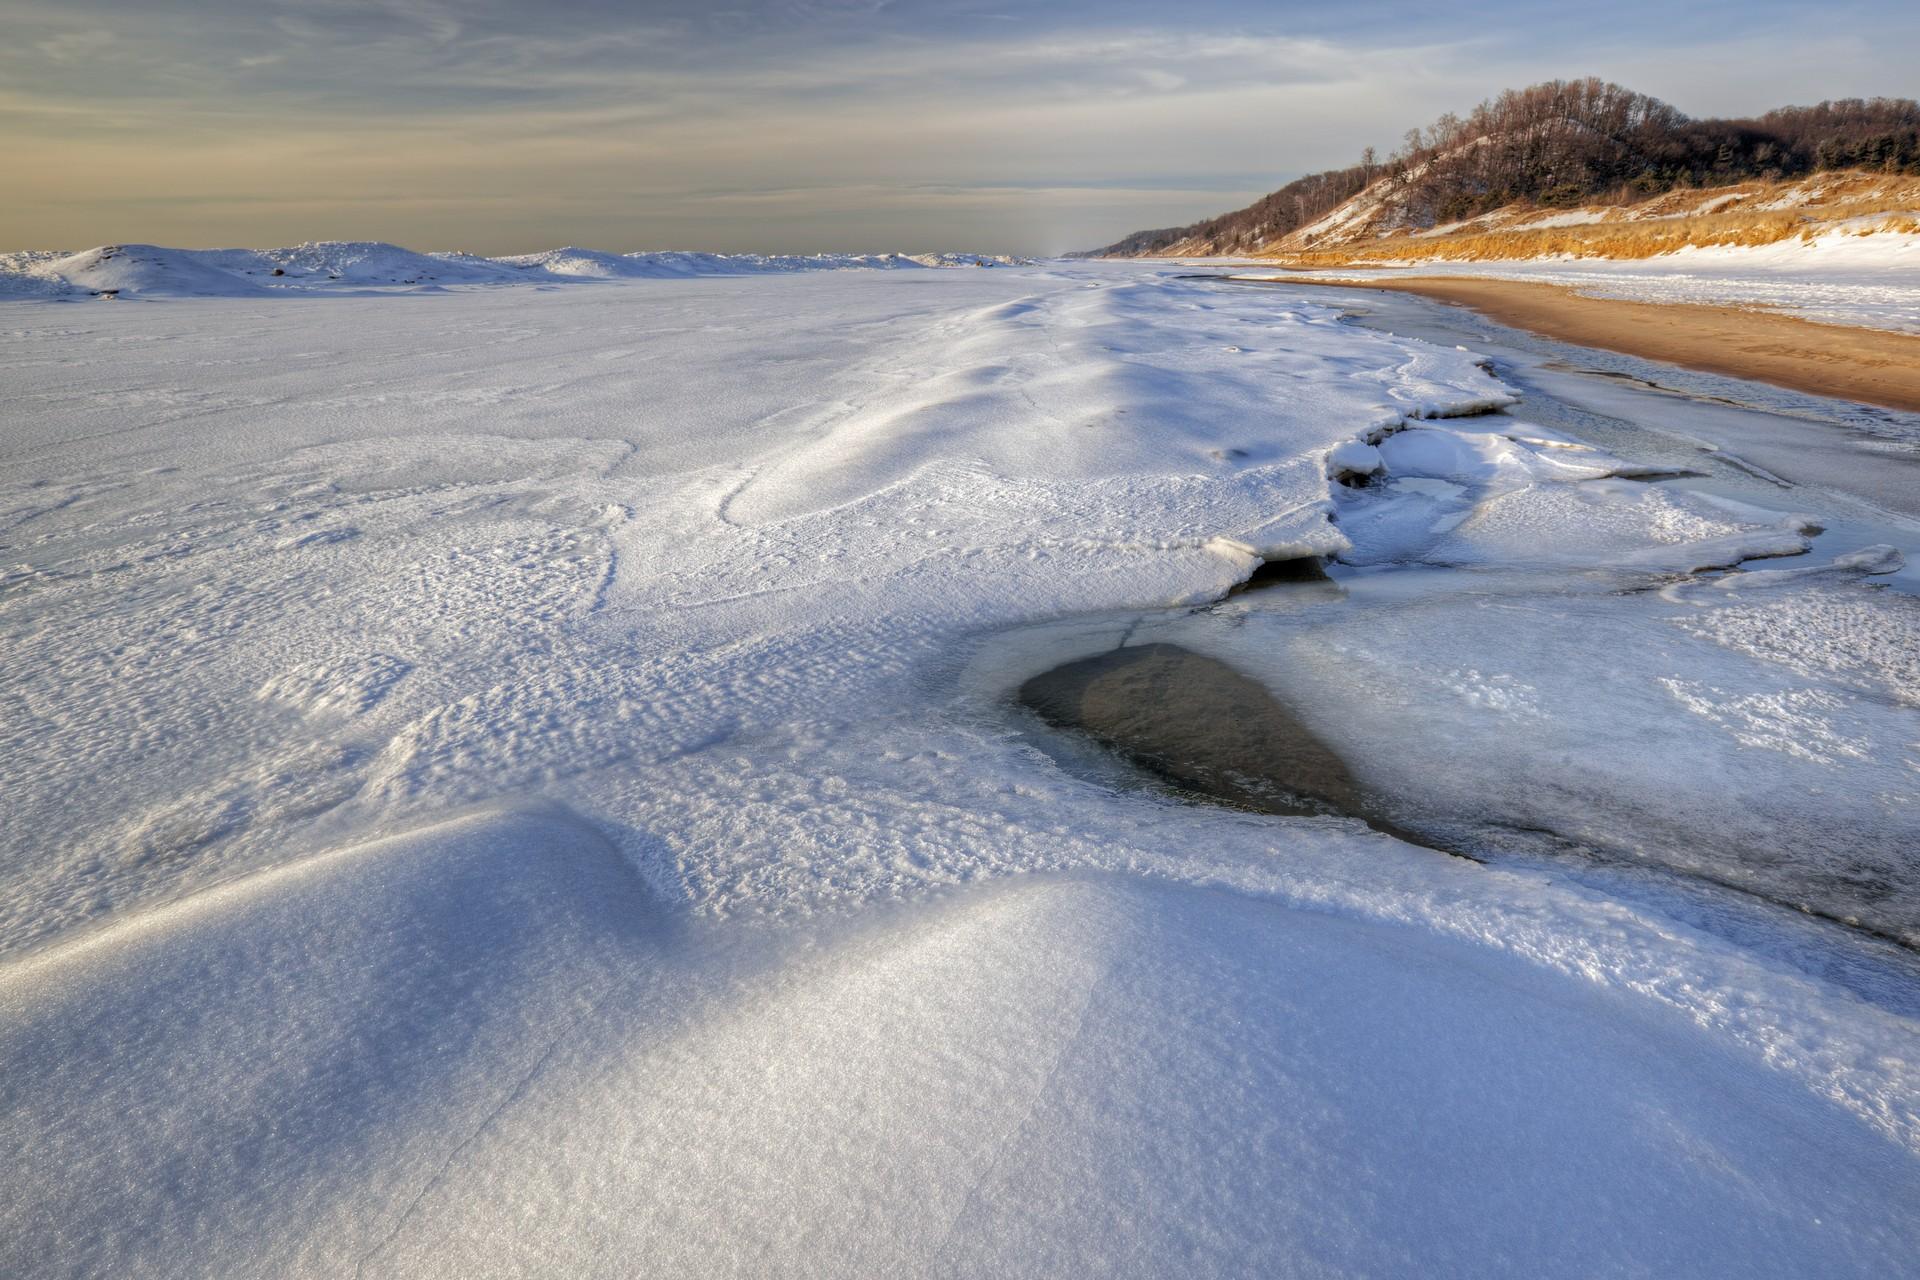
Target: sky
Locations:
point(506, 126)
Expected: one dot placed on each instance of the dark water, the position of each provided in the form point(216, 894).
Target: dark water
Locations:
point(1199, 725)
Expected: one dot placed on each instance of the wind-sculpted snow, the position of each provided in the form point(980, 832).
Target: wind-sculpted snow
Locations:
point(264, 1056)
point(524, 780)
point(130, 269)
point(657, 266)
point(135, 270)
point(688, 555)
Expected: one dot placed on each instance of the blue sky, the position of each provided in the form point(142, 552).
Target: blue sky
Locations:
point(795, 125)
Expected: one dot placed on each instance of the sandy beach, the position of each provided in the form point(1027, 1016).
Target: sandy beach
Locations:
point(1870, 366)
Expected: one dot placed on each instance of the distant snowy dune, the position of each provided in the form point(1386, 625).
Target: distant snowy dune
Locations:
point(332, 265)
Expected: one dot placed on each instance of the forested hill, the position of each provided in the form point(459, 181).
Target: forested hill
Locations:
point(1564, 143)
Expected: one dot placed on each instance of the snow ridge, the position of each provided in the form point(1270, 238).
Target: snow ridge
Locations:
point(131, 270)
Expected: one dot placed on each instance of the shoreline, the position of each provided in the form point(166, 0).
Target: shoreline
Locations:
point(1843, 362)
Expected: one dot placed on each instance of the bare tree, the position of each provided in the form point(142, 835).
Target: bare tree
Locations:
point(1569, 141)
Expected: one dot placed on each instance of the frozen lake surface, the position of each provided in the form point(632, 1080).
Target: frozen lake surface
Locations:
point(529, 778)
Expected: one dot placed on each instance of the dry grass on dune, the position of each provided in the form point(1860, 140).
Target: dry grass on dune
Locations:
point(1644, 233)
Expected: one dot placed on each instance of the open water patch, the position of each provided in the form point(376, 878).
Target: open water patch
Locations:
point(1204, 728)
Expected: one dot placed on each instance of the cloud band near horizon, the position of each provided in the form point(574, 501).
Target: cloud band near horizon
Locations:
point(503, 126)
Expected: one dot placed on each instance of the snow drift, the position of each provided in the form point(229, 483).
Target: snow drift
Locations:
point(142, 269)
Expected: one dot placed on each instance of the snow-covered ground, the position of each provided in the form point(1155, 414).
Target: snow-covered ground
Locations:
point(1845, 276)
point(523, 779)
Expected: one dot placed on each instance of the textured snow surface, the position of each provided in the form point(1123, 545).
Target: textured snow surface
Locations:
point(520, 780)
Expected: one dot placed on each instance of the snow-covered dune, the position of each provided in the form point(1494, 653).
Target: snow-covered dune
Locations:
point(370, 262)
point(141, 269)
point(154, 271)
point(467, 1050)
point(133, 270)
point(573, 261)
point(242, 1074)
point(656, 266)
point(992, 1082)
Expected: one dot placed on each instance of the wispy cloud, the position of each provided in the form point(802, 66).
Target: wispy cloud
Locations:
point(76, 45)
point(781, 124)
